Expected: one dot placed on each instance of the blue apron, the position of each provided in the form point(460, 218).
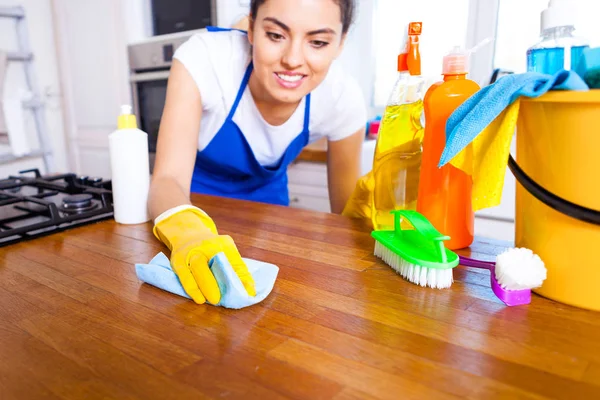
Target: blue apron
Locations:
point(227, 167)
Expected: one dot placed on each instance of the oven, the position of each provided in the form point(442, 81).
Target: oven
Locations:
point(149, 64)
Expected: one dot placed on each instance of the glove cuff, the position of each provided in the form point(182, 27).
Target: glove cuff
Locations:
point(177, 221)
point(175, 210)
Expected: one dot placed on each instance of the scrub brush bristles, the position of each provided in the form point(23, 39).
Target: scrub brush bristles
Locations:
point(418, 255)
point(520, 268)
point(423, 276)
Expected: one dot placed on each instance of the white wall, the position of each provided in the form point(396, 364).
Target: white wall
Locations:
point(41, 34)
point(359, 46)
point(231, 11)
point(138, 17)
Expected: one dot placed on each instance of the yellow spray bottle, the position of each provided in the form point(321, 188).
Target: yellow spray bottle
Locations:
point(393, 182)
point(397, 161)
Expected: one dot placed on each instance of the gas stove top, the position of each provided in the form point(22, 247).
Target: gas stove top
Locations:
point(32, 205)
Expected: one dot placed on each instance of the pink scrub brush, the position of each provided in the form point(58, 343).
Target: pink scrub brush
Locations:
point(513, 275)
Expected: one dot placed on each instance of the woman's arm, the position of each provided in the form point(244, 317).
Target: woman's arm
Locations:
point(343, 168)
point(177, 143)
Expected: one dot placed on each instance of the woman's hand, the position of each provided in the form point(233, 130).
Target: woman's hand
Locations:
point(192, 237)
point(343, 168)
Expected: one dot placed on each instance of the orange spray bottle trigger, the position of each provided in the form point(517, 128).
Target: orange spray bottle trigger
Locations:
point(410, 59)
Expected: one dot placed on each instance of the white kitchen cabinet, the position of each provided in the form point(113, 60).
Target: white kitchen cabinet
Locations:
point(92, 48)
point(307, 185)
point(307, 181)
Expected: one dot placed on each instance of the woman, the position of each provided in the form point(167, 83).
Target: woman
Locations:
point(239, 108)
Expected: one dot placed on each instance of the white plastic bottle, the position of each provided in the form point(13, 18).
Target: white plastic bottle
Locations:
point(130, 166)
point(558, 48)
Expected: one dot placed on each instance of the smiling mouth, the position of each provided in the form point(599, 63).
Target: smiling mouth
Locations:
point(290, 78)
point(289, 81)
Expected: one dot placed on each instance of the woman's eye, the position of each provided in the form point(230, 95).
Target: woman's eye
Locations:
point(318, 44)
point(276, 37)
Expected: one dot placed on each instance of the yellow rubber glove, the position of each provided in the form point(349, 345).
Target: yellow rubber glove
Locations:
point(192, 237)
point(360, 202)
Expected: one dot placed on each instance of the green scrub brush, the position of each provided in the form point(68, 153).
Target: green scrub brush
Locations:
point(418, 255)
point(588, 67)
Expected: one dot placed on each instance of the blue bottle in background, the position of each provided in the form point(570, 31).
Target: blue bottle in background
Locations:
point(558, 48)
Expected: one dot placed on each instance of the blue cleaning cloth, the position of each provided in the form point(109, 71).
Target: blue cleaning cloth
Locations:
point(477, 112)
point(233, 294)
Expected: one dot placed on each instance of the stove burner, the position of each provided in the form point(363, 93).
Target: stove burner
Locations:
point(29, 203)
point(77, 203)
point(78, 200)
point(15, 189)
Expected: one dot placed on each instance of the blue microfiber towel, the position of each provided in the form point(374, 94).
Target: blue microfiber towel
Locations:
point(477, 112)
point(233, 294)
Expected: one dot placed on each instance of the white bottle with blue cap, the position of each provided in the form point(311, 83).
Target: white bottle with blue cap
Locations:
point(558, 48)
point(130, 167)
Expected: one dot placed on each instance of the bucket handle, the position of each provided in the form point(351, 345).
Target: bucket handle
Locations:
point(550, 199)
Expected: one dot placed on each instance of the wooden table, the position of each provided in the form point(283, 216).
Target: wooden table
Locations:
point(76, 323)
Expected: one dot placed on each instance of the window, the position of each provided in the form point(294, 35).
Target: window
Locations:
point(445, 25)
point(519, 28)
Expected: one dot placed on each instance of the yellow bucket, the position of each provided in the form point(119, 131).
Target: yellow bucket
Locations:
point(558, 207)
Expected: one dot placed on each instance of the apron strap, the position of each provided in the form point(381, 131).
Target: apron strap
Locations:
point(242, 87)
point(219, 29)
point(240, 92)
point(307, 113)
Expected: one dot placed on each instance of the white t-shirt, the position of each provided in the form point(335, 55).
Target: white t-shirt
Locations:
point(217, 62)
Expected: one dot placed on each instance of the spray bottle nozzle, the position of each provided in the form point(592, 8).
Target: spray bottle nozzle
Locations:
point(410, 59)
point(480, 45)
point(457, 60)
point(126, 109)
point(414, 28)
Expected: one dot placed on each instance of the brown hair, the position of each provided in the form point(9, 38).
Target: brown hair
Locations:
point(346, 10)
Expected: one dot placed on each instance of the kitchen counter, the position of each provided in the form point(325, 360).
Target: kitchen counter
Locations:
point(76, 323)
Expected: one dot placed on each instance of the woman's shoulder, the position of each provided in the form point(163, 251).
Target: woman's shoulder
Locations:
point(339, 90)
point(336, 87)
point(216, 61)
point(338, 106)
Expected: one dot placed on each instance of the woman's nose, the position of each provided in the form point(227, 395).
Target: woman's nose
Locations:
point(293, 56)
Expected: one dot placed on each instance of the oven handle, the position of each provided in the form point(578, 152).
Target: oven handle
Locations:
point(149, 76)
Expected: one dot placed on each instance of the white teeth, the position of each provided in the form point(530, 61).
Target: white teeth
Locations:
point(290, 78)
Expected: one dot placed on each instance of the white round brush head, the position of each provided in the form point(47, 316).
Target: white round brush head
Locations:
point(519, 268)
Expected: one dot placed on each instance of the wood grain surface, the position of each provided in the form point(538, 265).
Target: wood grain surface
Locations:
point(76, 323)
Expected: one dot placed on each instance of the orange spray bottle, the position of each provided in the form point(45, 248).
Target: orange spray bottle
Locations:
point(445, 193)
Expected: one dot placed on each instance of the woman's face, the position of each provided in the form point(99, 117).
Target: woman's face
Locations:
point(294, 43)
